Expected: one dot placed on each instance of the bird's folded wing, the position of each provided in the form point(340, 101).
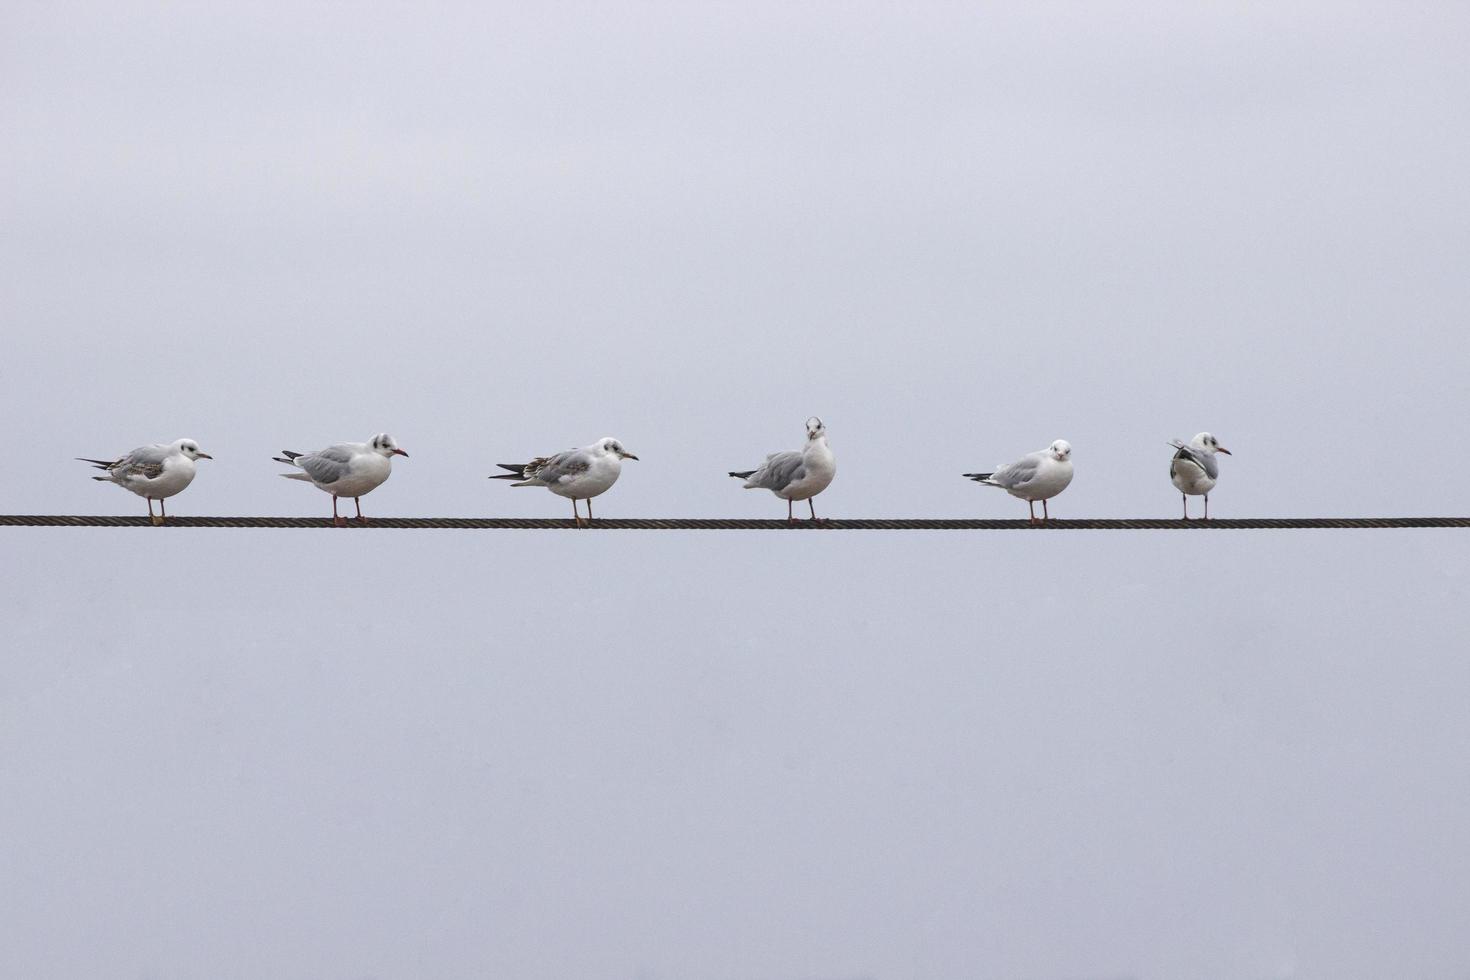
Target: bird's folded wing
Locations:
point(562, 466)
point(779, 472)
point(1017, 474)
point(327, 466)
point(143, 463)
point(1204, 461)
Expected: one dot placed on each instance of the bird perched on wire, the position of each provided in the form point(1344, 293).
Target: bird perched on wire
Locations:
point(348, 469)
point(577, 474)
point(1194, 470)
point(796, 476)
point(1036, 476)
point(153, 472)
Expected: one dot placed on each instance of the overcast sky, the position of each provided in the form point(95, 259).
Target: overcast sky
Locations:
point(956, 233)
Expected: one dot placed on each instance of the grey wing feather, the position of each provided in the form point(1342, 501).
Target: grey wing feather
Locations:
point(145, 462)
point(779, 472)
point(1205, 461)
point(556, 468)
point(327, 466)
point(1017, 474)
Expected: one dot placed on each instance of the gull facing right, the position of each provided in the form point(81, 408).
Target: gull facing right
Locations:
point(1035, 476)
point(796, 476)
point(578, 474)
point(1194, 470)
point(348, 469)
point(153, 472)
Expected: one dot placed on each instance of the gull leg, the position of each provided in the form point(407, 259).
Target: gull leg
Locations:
point(360, 518)
point(1207, 506)
point(576, 514)
point(338, 521)
point(789, 519)
point(589, 511)
point(155, 521)
point(1185, 497)
point(1045, 514)
point(1031, 504)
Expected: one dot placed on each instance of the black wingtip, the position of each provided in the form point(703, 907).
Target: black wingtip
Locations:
point(517, 471)
point(99, 463)
point(743, 476)
point(978, 477)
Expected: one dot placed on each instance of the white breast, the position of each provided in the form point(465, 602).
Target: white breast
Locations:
point(598, 479)
point(1052, 478)
point(821, 468)
point(365, 473)
point(178, 473)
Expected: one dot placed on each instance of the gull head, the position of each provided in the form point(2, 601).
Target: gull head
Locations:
point(385, 445)
point(815, 429)
point(1061, 450)
point(190, 449)
point(611, 447)
point(1210, 444)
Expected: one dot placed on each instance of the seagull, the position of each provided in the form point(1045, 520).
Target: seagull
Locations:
point(579, 474)
point(153, 472)
point(348, 469)
point(1036, 476)
point(1195, 470)
point(796, 475)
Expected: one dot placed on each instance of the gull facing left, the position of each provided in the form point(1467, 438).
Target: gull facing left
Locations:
point(153, 472)
point(348, 469)
point(577, 474)
point(1194, 470)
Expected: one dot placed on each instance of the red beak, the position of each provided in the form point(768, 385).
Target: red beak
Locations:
point(400, 452)
point(1222, 449)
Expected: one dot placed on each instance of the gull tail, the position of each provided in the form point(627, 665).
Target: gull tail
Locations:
point(101, 464)
point(743, 476)
point(517, 471)
point(979, 477)
point(290, 458)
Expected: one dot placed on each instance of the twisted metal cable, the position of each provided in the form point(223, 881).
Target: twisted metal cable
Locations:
point(741, 524)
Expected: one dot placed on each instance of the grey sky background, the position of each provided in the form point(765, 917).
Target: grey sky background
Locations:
point(954, 232)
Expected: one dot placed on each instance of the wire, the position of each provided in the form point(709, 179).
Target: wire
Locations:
point(738, 524)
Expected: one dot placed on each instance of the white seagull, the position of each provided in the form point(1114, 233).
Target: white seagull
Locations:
point(153, 472)
point(796, 475)
point(1194, 470)
point(578, 474)
point(1036, 476)
point(348, 469)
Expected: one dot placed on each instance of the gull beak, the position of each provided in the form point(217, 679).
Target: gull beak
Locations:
point(1222, 449)
point(400, 452)
point(203, 456)
point(626, 456)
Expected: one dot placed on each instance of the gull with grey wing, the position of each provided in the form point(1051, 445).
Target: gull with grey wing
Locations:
point(796, 475)
point(153, 472)
point(577, 474)
point(1195, 470)
point(348, 469)
point(1035, 476)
